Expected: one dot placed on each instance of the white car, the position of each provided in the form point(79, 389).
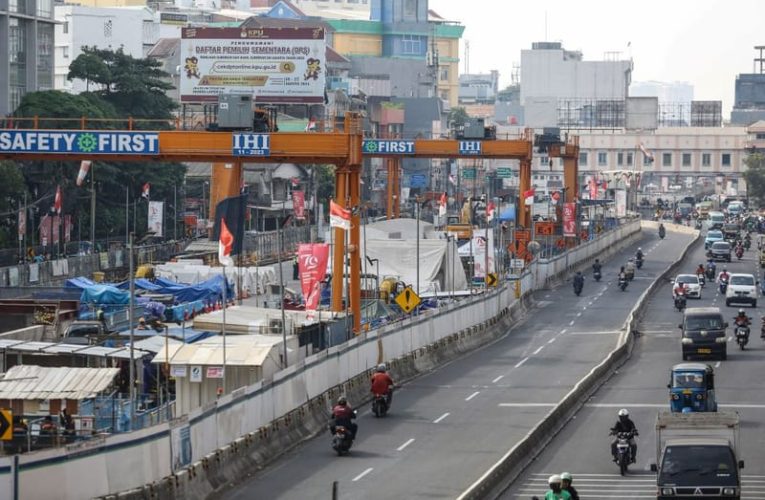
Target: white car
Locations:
point(742, 288)
point(692, 285)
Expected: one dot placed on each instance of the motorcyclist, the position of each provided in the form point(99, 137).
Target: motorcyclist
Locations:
point(342, 414)
point(723, 275)
point(556, 491)
point(742, 319)
point(662, 231)
point(382, 384)
point(622, 274)
point(566, 480)
point(596, 266)
point(630, 269)
point(625, 424)
point(578, 280)
point(639, 254)
point(700, 270)
point(712, 267)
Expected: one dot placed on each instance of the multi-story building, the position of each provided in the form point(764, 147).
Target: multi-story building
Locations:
point(133, 29)
point(26, 55)
point(553, 78)
point(681, 154)
point(479, 87)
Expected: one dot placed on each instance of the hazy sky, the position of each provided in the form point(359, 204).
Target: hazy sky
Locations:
point(703, 42)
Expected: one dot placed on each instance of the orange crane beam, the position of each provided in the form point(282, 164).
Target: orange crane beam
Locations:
point(569, 152)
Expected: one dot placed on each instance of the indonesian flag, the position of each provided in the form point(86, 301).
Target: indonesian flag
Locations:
point(442, 205)
point(528, 197)
point(648, 155)
point(339, 216)
point(311, 125)
point(225, 244)
point(58, 201)
point(295, 181)
point(555, 197)
point(84, 168)
point(490, 209)
point(145, 190)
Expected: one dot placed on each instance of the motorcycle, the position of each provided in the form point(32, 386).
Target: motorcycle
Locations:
point(747, 244)
point(702, 279)
point(711, 273)
point(578, 288)
point(596, 275)
point(623, 284)
point(630, 274)
point(623, 451)
point(380, 405)
point(662, 233)
point(723, 286)
point(638, 263)
point(742, 336)
point(680, 301)
point(762, 329)
point(739, 252)
point(341, 439)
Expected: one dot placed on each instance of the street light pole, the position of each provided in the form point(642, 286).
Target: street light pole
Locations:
point(131, 372)
point(280, 236)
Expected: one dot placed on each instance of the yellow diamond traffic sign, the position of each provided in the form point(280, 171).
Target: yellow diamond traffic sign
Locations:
point(6, 425)
point(407, 300)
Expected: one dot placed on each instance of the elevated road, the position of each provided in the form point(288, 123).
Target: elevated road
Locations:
point(447, 427)
point(582, 448)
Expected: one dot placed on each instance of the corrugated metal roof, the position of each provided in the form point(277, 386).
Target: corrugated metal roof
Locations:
point(63, 348)
point(42, 382)
point(240, 351)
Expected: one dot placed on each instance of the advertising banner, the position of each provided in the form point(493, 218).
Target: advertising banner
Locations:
point(298, 204)
point(312, 265)
point(479, 255)
point(621, 202)
point(569, 219)
point(49, 225)
point(62, 141)
point(274, 65)
point(156, 217)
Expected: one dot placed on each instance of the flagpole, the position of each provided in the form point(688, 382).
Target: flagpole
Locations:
point(93, 208)
point(127, 214)
point(225, 289)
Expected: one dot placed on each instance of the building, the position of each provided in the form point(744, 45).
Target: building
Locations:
point(749, 103)
point(683, 154)
point(26, 58)
point(553, 78)
point(674, 99)
point(132, 29)
point(479, 87)
point(108, 3)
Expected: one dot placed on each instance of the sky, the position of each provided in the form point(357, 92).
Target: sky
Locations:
point(704, 42)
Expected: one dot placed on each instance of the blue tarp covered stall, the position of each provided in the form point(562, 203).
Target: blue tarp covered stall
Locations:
point(79, 282)
point(104, 294)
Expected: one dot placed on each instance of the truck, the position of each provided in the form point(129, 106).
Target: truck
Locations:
point(697, 455)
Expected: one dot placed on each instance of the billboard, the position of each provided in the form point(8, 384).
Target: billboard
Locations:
point(274, 65)
point(569, 219)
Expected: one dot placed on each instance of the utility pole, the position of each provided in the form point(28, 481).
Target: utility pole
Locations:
point(131, 373)
point(93, 206)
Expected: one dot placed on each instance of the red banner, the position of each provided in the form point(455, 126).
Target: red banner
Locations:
point(312, 265)
point(298, 204)
point(67, 228)
point(593, 189)
point(49, 225)
point(569, 219)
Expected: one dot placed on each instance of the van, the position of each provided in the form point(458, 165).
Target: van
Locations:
point(742, 288)
point(716, 220)
point(704, 333)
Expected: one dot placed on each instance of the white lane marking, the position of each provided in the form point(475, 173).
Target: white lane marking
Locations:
point(441, 417)
point(476, 393)
point(571, 323)
point(584, 308)
point(611, 332)
point(717, 365)
point(578, 314)
point(627, 405)
point(497, 379)
point(363, 474)
point(519, 363)
point(564, 330)
point(530, 405)
point(405, 445)
point(551, 340)
point(538, 349)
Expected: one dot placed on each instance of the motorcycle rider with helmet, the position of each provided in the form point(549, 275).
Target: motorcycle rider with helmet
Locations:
point(630, 269)
point(639, 254)
point(566, 480)
point(742, 320)
point(596, 266)
point(342, 414)
point(723, 275)
point(578, 281)
point(382, 384)
point(625, 424)
point(556, 492)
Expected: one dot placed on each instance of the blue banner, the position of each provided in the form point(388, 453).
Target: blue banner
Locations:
point(387, 147)
point(63, 141)
point(470, 147)
point(251, 145)
point(418, 181)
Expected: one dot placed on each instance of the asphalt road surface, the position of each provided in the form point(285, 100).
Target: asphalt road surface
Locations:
point(447, 427)
point(582, 448)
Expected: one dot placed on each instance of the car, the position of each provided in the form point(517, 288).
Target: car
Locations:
point(712, 237)
point(742, 288)
point(720, 251)
point(691, 283)
point(704, 333)
point(716, 220)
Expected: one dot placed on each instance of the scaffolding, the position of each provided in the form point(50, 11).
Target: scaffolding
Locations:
point(706, 113)
point(591, 113)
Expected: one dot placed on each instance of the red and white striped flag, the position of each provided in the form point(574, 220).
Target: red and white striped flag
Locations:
point(442, 205)
point(58, 201)
point(528, 197)
point(84, 168)
point(490, 209)
point(339, 216)
point(145, 190)
point(225, 244)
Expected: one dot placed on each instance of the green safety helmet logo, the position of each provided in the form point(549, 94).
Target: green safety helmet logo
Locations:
point(87, 142)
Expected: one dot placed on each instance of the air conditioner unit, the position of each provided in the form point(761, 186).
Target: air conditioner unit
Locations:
point(275, 326)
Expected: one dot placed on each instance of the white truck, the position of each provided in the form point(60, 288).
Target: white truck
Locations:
point(697, 455)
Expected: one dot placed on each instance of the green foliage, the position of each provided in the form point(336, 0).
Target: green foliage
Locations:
point(755, 177)
point(121, 86)
point(325, 182)
point(10, 202)
point(457, 117)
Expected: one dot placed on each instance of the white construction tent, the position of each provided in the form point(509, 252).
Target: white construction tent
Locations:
point(193, 271)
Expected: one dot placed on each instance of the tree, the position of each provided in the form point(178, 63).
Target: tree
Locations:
point(457, 117)
point(12, 191)
point(754, 175)
point(90, 67)
point(57, 104)
point(325, 182)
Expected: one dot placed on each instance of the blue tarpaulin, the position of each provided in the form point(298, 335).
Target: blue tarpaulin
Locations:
point(79, 282)
point(508, 213)
point(104, 294)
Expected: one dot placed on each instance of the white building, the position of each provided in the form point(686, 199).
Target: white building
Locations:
point(664, 91)
point(134, 29)
point(703, 154)
point(552, 77)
